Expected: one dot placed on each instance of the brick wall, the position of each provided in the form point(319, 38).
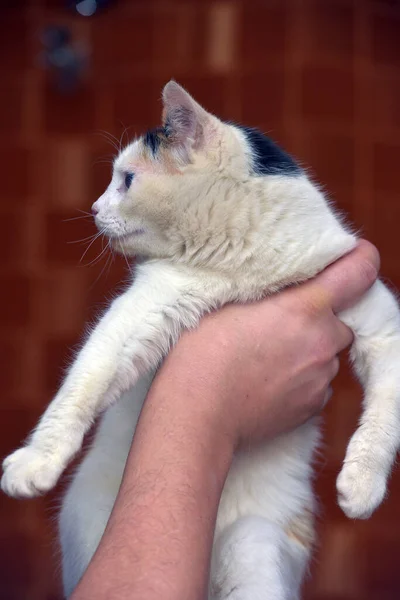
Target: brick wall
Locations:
point(323, 77)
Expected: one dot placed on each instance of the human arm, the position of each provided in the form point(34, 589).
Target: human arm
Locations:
point(247, 372)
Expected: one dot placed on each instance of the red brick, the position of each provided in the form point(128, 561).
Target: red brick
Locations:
point(386, 215)
point(329, 30)
point(16, 297)
point(16, 424)
point(20, 548)
point(386, 47)
point(61, 242)
point(15, 172)
point(263, 35)
point(331, 157)
point(59, 354)
point(209, 91)
point(199, 36)
point(11, 92)
point(11, 237)
point(14, 41)
point(385, 91)
point(137, 104)
point(69, 113)
point(328, 93)
point(9, 358)
point(260, 107)
point(166, 34)
point(383, 575)
point(123, 42)
point(386, 166)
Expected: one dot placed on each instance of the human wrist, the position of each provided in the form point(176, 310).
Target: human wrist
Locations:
point(200, 369)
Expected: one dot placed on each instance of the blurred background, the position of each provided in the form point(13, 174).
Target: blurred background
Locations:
point(322, 77)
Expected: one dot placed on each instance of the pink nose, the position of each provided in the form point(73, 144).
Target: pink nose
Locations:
point(95, 209)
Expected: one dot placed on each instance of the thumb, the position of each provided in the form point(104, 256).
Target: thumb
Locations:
point(346, 281)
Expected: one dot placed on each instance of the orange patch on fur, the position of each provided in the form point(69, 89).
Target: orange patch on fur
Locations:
point(301, 529)
point(161, 161)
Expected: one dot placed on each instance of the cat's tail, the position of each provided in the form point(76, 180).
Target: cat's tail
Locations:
point(375, 321)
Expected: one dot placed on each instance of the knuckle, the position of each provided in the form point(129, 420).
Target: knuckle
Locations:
point(320, 393)
point(316, 303)
point(369, 267)
point(311, 306)
point(372, 252)
point(369, 271)
point(310, 301)
point(315, 401)
point(324, 350)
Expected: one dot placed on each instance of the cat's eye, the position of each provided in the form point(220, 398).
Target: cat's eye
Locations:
point(128, 180)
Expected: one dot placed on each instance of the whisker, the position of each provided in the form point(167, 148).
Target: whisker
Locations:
point(126, 260)
point(109, 134)
point(93, 240)
point(85, 239)
point(103, 161)
point(111, 139)
point(112, 258)
point(108, 262)
point(97, 259)
point(125, 131)
point(80, 217)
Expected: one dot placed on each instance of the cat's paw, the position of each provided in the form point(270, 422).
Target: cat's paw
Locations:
point(360, 490)
point(29, 472)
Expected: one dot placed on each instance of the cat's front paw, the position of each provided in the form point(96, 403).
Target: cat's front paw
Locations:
point(29, 472)
point(360, 490)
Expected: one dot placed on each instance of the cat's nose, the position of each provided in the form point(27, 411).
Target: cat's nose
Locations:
point(95, 209)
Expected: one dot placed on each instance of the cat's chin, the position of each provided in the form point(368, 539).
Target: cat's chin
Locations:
point(125, 243)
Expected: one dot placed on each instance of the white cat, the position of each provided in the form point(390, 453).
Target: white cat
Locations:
point(219, 213)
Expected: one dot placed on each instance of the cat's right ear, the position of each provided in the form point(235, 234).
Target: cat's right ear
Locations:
point(183, 118)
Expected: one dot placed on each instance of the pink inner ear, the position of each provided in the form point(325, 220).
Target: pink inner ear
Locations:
point(181, 113)
point(174, 95)
point(183, 116)
point(181, 122)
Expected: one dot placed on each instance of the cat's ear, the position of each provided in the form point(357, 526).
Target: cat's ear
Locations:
point(184, 119)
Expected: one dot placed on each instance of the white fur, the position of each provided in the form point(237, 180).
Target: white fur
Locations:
point(212, 231)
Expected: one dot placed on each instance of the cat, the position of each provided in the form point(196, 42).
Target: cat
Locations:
point(217, 213)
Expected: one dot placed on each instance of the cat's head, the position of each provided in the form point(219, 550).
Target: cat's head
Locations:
point(175, 188)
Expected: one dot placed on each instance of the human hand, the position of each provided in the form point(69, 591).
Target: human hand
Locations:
point(265, 368)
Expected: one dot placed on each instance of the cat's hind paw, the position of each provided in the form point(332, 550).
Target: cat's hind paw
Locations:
point(29, 472)
point(360, 490)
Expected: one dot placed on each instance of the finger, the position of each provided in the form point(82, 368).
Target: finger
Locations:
point(343, 335)
point(344, 282)
point(334, 368)
point(320, 402)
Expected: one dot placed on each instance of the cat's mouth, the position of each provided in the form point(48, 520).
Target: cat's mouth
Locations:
point(124, 237)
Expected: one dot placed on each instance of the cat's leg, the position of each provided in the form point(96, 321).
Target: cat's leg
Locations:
point(255, 559)
point(375, 321)
point(132, 337)
point(90, 497)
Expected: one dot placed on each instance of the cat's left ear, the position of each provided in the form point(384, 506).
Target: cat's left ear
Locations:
point(184, 119)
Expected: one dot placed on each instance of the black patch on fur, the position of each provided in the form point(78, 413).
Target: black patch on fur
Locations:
point(168, 130)
point(269, 158)
point(153, 139)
